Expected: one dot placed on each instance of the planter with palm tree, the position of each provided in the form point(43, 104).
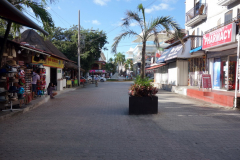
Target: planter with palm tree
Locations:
point(151, 28)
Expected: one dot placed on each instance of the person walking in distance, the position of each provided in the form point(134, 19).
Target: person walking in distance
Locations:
point(96, 81)
point(35, 78)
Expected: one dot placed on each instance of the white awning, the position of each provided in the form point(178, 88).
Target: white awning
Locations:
point(179, 51)
point(161, 38)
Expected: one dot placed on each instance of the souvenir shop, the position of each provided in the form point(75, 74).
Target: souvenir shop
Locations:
point(196, 67)
point(16, 76)
point(54, 70)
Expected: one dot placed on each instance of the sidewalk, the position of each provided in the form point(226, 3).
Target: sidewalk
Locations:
point(33, 104)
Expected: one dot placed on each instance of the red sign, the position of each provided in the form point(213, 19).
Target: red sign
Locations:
point(206, 81)
point(220, 36)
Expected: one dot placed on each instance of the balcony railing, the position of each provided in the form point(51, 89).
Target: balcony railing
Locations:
point(225, 2)
point(223, 24)
point(200, 9)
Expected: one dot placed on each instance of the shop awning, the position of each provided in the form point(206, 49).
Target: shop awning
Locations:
point(196, 49)
point(161, 59)
point(161, 37)
point(179, 51)
point(156, 66)
point(9, 12)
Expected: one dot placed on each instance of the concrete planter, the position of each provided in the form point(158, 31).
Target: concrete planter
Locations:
point(143, 105)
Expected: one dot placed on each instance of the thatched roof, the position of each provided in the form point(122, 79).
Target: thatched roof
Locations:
point(34, 39)
point(70, 65)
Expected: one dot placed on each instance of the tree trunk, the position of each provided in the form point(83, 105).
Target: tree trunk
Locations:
point(143, 60)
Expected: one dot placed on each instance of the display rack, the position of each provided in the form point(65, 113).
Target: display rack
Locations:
point(231, 74)
point(11, 104)
point(41, 84)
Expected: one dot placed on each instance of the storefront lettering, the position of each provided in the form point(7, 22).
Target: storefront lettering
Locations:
point(221, 36)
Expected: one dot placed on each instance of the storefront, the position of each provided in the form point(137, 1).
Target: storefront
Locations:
point(16, 75)
point(221, 50)
point(196, 67)
point(53, 67)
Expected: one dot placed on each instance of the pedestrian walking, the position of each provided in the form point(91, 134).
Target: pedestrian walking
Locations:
point(96, 81)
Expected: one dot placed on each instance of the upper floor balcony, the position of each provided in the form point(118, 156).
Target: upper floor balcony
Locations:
point(223, 24)
point(196, 15)
point(225, 2)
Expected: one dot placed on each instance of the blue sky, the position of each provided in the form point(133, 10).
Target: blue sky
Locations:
point(106, 15)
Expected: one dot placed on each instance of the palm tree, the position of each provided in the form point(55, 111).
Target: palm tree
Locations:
point(110, 60)
point(39, 10)
point(119, 59)
point(128, 63)
point(148, 29)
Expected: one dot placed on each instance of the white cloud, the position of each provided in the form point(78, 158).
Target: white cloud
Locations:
point(48, 8)
point(133, 24)
point(161, 6)
point(169, 1)
point(96, 22)
point(101, 2)
point(119, 23)
point(59, 7)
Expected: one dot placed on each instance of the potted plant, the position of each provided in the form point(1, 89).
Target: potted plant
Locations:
point(142, 97)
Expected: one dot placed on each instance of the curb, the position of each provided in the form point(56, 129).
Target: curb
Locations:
point(33, 105)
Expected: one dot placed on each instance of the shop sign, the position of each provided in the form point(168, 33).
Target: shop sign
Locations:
point(50, 61)
point(97, 71)
point(206, 81)
point(163, 56)
point(174, 52)
point(219, 37)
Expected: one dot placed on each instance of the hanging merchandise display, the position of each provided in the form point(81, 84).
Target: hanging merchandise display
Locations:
point(41, 84)
point(231, 75)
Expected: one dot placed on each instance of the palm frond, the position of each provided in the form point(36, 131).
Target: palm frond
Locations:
point(132, 16)
point(122, 36)
point(141, 8)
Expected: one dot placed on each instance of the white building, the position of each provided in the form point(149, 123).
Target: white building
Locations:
point(214, 20)
point(136, 54)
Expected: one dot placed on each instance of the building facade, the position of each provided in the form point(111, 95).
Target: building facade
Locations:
point(215, 21)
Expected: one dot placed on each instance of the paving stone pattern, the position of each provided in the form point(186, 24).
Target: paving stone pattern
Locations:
point(92, 123)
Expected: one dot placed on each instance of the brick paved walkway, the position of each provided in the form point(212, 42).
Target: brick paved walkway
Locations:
point(93, 123)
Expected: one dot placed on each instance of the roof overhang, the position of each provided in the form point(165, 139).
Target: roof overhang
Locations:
point(11, 13)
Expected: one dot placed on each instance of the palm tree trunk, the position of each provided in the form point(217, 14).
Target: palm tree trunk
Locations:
point(143, 60)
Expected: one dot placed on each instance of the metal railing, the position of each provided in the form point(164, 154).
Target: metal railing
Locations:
point(223, 24)
point(200, 9)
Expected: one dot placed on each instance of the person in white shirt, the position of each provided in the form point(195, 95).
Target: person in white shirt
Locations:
point(96, 81)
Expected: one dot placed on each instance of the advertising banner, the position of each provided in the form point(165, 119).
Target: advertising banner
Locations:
point(219, 37)
point(206, 81)
point(216, 74)
point(50, 62)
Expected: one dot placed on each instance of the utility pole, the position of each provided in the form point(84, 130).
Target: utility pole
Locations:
point(79, 49)
point(237, 68)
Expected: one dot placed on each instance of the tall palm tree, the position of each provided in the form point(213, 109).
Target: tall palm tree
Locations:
point(119, 59)
point(148, 29)
point(39, 8)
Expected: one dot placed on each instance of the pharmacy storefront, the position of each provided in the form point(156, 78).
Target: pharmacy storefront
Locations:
point(221, 48)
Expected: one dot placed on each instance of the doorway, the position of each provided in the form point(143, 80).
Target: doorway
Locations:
point(53, 76)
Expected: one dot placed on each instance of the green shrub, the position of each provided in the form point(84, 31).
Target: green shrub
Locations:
point(142, 88)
